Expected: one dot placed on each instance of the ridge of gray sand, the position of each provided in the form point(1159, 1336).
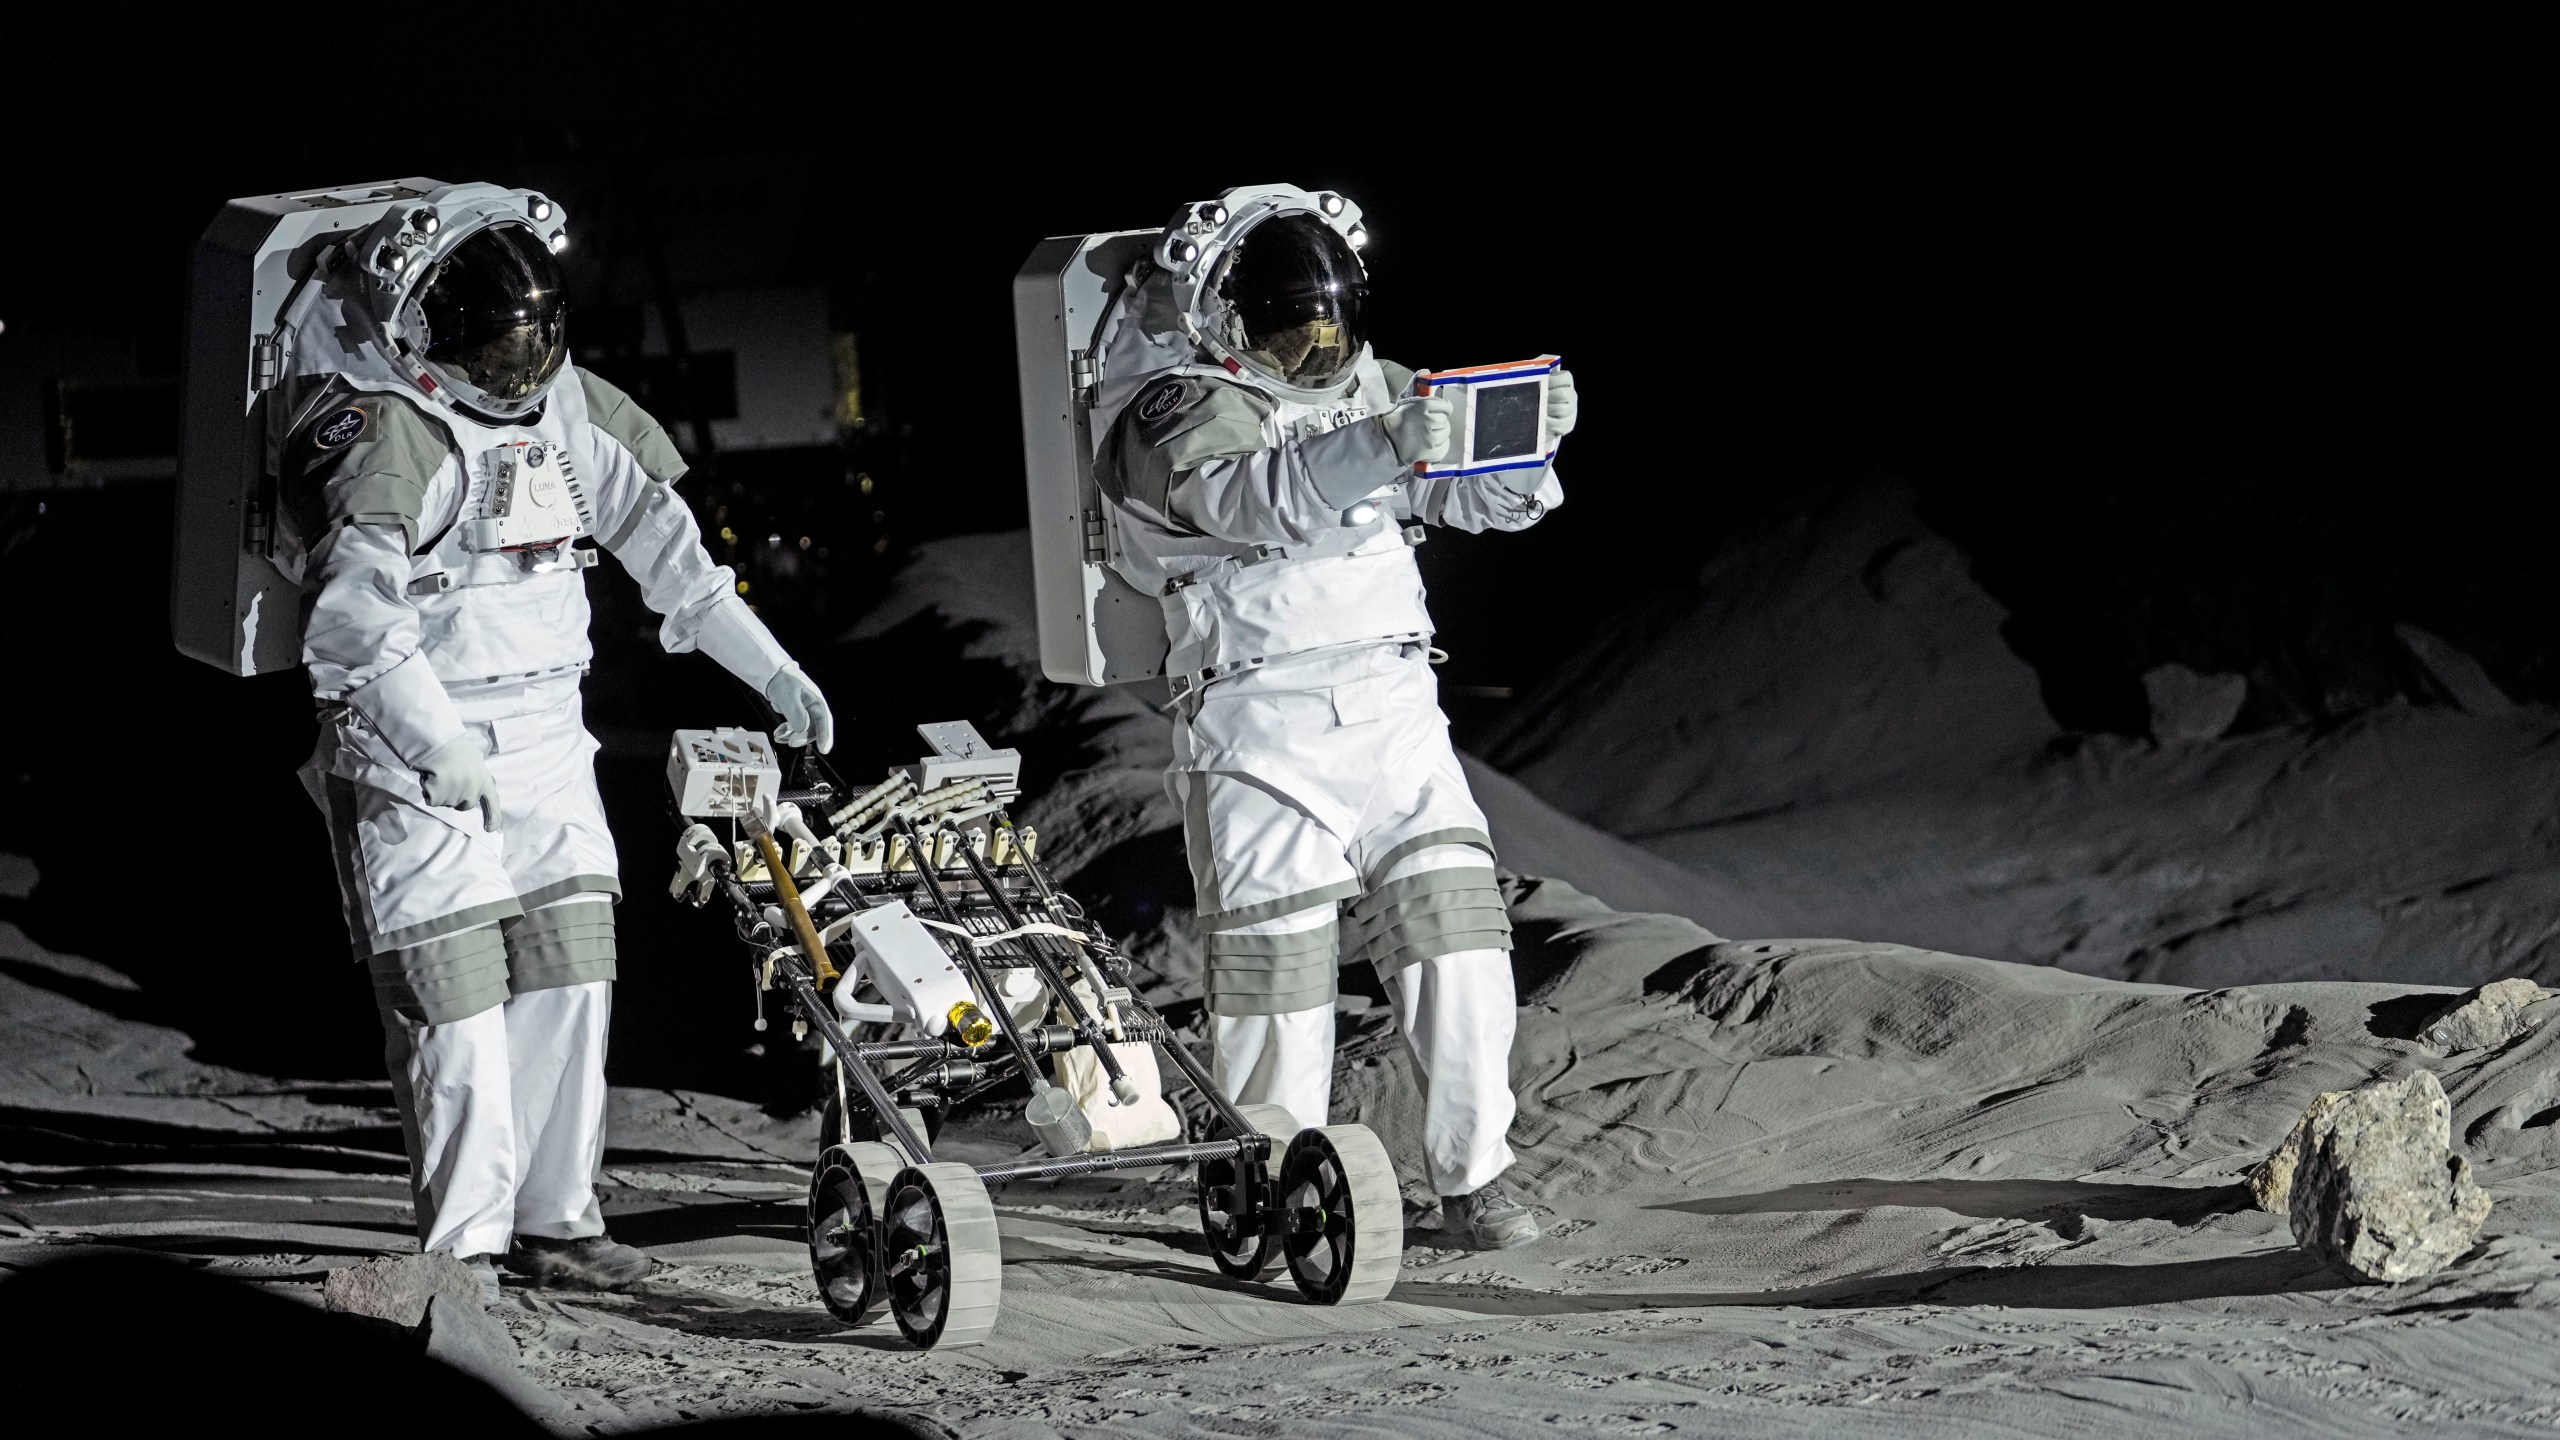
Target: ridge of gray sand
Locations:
point(1827, 731)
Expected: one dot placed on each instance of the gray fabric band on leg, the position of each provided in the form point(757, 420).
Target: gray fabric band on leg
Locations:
point(1260, 911)
point(1476, 838)
point(533, 900)
point(439, 981)
point(558, 945)
point(1435, 913)
point(1272, 974)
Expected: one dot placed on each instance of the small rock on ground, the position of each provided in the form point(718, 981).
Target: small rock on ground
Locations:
point(397, 1287)
point(2377, 1188)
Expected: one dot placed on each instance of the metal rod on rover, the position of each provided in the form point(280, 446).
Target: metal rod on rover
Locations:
point(849, 1061)
point(1191, 1071)
point(967, 957)
point(1088, 1023)
point(1174, 1048)
point(1064, 1166)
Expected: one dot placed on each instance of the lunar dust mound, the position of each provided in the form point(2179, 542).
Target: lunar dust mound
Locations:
point(1826, 727)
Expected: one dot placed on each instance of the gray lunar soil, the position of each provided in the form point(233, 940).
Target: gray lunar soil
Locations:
point(1792, 1186)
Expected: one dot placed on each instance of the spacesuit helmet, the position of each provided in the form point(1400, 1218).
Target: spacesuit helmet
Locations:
point(490, 319)
point(1295, 300)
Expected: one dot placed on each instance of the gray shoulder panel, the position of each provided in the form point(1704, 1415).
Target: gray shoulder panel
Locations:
point(1224, 420)
point(621, 417)
point(1399, 377)
point(1177, 424)
point(375, 457)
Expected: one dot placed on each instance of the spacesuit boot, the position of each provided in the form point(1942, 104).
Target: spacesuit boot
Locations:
point(591, 1263)
point(1489, 1219)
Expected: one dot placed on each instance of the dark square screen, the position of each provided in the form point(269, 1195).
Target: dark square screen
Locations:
point(1507, 419)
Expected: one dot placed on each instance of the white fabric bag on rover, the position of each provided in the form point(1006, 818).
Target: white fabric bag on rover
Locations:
point(1150, 1121)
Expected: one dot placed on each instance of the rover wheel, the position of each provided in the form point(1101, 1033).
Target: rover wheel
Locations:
point(942, 1265)
point(1341, 1217)
point(1234, 1200)
point(846, 1192)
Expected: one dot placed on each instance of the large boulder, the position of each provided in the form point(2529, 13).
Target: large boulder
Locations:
point(2377, 1187)
point(2490, 1015)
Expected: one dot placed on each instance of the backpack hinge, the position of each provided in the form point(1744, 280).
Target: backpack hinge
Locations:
point(266, 363)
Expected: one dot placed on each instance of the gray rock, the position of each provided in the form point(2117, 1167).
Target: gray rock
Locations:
point(397, 1287)
point(2490, 1015)
point(2189, 706)
point(2462, 677)
point(2271, 1182)
point(2377, 1188)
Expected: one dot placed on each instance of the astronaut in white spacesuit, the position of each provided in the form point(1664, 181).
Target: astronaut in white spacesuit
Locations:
point(1263, 469)
point(443, 462)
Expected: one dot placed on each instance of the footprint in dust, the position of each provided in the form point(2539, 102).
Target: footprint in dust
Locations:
point(1622, 1264)
point(2013, 1237)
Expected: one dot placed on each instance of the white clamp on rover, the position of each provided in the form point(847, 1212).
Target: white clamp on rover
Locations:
point(910, 926)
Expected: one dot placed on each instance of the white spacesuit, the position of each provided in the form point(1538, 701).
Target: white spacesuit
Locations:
point(442, 462)
point(1263, 471)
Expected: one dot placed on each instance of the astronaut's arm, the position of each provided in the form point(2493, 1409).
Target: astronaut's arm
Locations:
point(1477, 503)
point(361, 641)
point(645, 525)
point(1205, 464)
point(1286, 492)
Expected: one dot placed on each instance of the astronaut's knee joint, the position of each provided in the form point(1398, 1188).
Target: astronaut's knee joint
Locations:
point(439, 981)
point(571, 944)
point(1251, 974)
point(1422, 917)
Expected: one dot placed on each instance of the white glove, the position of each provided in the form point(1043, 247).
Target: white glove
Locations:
point(806, 720)
point(1420, 428)
point(455, 776)
point(1561, 407)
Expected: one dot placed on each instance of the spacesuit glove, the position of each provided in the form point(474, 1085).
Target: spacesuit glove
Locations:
point(806, 720)
point(1562, 407)
point(1420, 428)
point(455, 776)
